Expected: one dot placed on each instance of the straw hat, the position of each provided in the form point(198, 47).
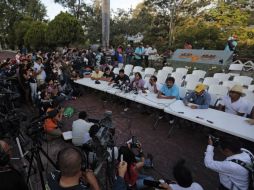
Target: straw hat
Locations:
point(238, 89)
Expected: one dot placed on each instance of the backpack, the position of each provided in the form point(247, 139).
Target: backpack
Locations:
point(249, 167)
point(68, 112)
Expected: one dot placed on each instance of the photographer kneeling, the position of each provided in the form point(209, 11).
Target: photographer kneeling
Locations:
point(132, 176)
point(232, 175)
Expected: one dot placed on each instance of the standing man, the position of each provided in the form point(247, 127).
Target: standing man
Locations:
point(129, 54)
point(139, 52)
point(147, 53)
point(198, 99)
point(233, 176)
point(39, 71)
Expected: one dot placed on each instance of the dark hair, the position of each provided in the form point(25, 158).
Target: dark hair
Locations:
point(138, 73)
point(121, 71)
point(128, 156)
point(170, 79)
point(182, 174)
point(231, 144)
point(154, 78)
point(93, 130)
point(69, 162)
point(107, 69)
point(82, 115)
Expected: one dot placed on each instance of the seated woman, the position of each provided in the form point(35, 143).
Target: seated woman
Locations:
point(137, 82)
point(132, 176)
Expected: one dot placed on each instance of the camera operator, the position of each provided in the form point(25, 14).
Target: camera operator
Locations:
point(232, 175)
point(10, 178)
point(72, 174)
point(132, 177)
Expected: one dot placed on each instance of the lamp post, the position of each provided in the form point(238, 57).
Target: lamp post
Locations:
point(105, 23)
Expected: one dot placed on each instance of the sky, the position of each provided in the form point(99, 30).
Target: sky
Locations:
point(53, 9)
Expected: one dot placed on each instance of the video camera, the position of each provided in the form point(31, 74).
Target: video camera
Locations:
point(215, 140)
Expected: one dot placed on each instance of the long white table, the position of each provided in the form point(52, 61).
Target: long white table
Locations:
point(222, 121)
point(225, 122)
point(149, 99)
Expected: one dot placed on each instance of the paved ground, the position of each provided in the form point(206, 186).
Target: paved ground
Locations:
point(186, 142)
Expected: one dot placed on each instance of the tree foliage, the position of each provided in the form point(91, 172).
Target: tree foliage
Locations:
point(35, 37)
point(64, 30)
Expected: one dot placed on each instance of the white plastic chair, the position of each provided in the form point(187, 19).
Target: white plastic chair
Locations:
point(251, 87)
point(191, 85)
point(162, 76)
point(128, 69)
point(116, 71)
point(248, 66)
point(177, 75)
point(221, 76)
point(243, 80)
point(137, 69)
point(182, 92)
point(218, 90)
point(184, 71)
point(211, 81)
point(149, 71)
point(169, 69)
point(249, 95)
point(199, 73)
point(191, 78)
point(178, 81)
point(230, 84)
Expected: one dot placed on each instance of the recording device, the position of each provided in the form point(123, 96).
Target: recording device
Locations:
point(215, 140)
point(151, 183)
point(134, 142)
point(97, 82)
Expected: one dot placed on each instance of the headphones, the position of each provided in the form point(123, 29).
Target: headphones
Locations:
point(83, 157)
point(4, 157)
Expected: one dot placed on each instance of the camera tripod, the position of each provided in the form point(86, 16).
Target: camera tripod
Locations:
point(36, 157)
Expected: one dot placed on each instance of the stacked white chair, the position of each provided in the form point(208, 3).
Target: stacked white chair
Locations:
point(191, 85)
point(199, 73)
point(116, 71)
point(191, 78)
point(251, 88)
point(235, 69)
point(221, 76)
point(184, 71)
point(243, 80)
point(208, 81)
point(137, 69)
point(249, 95)
point(178, 78)
point(217, 92)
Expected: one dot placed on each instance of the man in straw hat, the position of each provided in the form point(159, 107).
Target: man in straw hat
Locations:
point(199, 98)
point(233, 102)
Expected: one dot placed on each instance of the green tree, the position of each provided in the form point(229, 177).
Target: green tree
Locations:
point(35, 37)
point(64, 30)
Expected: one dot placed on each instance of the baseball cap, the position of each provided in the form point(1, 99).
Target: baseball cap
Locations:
point(199, 88)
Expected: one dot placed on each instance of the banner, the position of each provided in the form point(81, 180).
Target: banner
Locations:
point(203, 56)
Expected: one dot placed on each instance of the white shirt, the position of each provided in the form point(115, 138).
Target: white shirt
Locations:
point(229, 172)
point(194, 186)
point(80, 129)
point(147, 51)
point(234, 107)
point(37, 67)
point(150, 87)
point(152, 54)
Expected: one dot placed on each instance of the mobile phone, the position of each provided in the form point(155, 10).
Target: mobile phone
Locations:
point(121, 157)
point(151, 183)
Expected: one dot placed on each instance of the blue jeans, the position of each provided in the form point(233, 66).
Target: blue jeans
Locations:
point(140, 181)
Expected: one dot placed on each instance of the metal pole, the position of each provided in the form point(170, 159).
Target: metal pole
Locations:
point(105, 23)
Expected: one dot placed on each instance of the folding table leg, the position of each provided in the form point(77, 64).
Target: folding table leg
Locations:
point(158, 118)
point(171, 129)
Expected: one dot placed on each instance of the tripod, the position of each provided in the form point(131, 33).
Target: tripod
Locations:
point(36, 157)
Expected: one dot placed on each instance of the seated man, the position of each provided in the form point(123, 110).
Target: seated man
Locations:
point(152, 85)
point(80, 129)
point(121, 78)
point(169, 90)
point(198, 99)
point(233, 103)
point(72, 172)
point(108, 75)
point(97, 74)
point(11, 179)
